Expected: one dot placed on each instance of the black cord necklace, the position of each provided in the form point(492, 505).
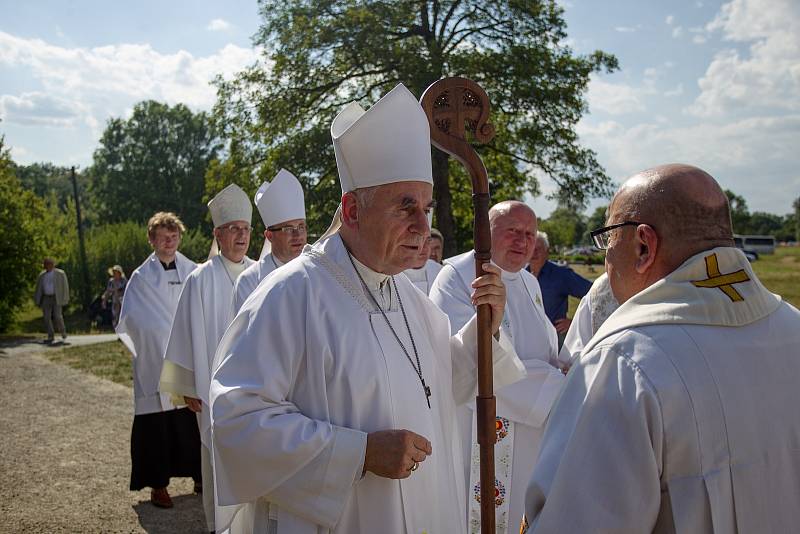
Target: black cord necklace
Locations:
point(418, 366)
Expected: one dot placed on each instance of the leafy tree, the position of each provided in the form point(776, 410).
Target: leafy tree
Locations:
point(740, 215)
point(154, 161)
point(762, 223)
point(46, 178)
point(596, 220)
point(30, 230)
point(564, 227)
point(320, 55)
point(796, 206)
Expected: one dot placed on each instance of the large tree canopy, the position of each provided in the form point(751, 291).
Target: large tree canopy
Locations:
point(154, 161)
point(320, 55)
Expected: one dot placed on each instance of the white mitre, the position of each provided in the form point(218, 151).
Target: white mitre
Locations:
point(230, 204)
point(388, 143)
point(278, 201)
point(281, 199)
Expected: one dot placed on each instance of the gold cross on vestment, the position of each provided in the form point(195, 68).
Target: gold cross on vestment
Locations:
point(722, 281)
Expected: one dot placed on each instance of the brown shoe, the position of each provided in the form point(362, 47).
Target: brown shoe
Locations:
point(160, 498)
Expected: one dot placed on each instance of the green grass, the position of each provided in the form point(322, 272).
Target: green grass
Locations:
point(779, 272)
point(110, 360)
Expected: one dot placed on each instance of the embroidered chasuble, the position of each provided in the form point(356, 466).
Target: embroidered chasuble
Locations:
point(680, 415)
point(308, 368)
point(523, 407)
point(248, 281)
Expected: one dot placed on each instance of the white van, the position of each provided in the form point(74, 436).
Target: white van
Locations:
point(760, 244)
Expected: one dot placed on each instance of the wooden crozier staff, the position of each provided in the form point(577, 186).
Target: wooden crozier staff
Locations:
point(455, 106)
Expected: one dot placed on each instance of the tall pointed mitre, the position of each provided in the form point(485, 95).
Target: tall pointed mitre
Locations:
point(230, 204)
point(281, 199)
point(388, 143)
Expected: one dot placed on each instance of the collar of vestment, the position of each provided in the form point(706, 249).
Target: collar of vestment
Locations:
point(716, 287)
point(373, 279)
point(508, 275)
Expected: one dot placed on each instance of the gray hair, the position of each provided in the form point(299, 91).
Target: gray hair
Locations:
point(543, 237)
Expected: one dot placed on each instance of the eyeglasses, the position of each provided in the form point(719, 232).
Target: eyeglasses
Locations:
point(236, 229)
point(289, 229)
point(601, 236)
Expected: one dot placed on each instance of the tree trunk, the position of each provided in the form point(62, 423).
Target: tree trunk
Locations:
point(444, 199)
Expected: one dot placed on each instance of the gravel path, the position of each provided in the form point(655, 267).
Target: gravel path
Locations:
point(65, 452)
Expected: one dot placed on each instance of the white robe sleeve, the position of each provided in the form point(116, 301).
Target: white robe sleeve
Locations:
point(600, 461)
point(579, 333)
point(464, 351)
point(264, 445)
point(450, 295)
point(187, 337)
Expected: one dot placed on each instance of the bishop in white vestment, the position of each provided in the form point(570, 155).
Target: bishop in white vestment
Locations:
point(281, 204)
point(203, 313)
point(680, 414)
point(523, 407)
point(164, 439)
point(336, 385)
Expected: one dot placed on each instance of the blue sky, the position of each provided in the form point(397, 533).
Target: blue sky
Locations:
point(711, 83)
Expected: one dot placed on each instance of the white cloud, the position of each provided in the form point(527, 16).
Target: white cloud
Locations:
point(754, 157)
point(613, 98)
point(104, 81)
point(669, 20)
point(699, 39)
point(769, 74)
point(39, 109)
point(218, 25)
point(628, 29)
point(677, 31)
point(677, 91)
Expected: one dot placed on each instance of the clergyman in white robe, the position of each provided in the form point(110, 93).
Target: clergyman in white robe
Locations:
point(161, 431)
point(525, 404)
point(680, 415)
point(307, 369)
point(204, 312)
point(424, 276)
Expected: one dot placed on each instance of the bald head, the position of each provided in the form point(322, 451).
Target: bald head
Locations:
point(686, 206)
point(681, 211)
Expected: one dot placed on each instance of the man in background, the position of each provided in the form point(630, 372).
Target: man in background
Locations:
point(51, 295)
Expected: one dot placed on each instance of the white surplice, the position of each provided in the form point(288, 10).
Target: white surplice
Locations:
point(307, 369)
point(248, 281)
point(424, 276)
point(680, 415)
point(526, 403)
point(148, 308)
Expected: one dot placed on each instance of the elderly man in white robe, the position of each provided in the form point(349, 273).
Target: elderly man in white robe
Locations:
point(281, 204)
point(335, 392)
point(165, 441)
point(680, 414)
point(522, 408)
point(425, 269)
point(203, 313)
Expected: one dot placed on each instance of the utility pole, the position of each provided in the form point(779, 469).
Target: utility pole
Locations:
point(84, 267)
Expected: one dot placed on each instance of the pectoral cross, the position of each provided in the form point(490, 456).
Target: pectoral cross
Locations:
point(427, 390)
